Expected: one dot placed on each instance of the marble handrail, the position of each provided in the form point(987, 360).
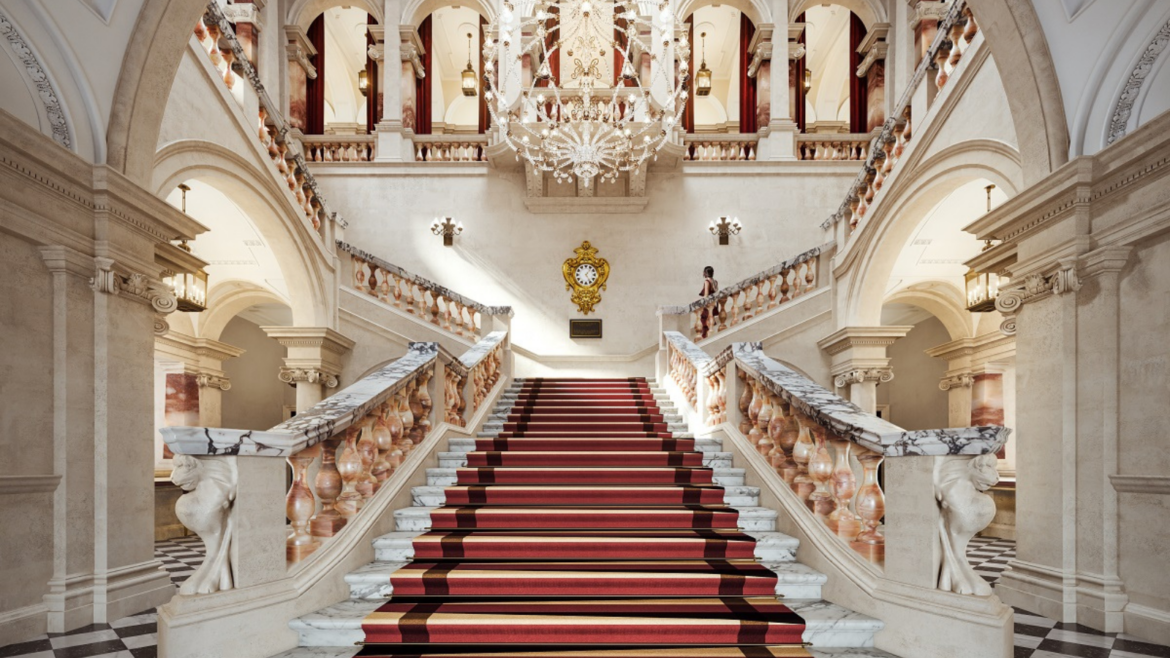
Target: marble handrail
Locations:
point(329, 417)
point(955, 33)
point(272, 129)
point(752, 296)
point(848, 420)
point(413, 294)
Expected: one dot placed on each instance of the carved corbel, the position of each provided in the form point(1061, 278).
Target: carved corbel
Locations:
point(965, 380)
point(135, 286)
point(410, 53)
point(290, 375)
point(207, 380)
point(299, 49)
point(796, 50)
point(928, 10)
point(860, 375)
point(1011, 301)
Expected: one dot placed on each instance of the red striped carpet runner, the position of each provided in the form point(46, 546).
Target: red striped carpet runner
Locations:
point(584, 529)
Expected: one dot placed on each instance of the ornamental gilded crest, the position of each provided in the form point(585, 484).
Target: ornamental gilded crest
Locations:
point(586, 275)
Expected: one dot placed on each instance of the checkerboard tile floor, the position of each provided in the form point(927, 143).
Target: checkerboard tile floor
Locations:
point(1039, 637)
point(137, 636)
point(129, 637)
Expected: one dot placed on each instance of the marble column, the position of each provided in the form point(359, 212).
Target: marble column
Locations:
point(300, 71)
point(873, 69)
point(859, 361)
point(313, 363)
point(388, 131)
point(778, 135)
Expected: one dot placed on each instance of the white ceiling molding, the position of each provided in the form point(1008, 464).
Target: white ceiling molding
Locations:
point(36, 73)
point(1073, 8)
point(1123, 116)
point(103, 8)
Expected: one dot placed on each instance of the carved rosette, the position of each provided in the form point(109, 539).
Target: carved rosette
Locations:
point(307, 375)
point(860, 375)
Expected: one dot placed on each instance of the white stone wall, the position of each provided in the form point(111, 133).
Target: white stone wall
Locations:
point(510, 256)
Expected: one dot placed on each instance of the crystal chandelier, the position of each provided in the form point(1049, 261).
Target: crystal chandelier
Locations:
point(596, 115)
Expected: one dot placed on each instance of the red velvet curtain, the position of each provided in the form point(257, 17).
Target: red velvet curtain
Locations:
point(485, 117)
point(315, 88)
point(373, 109)
point(799, 94)
point(747, 86)
point(422, 86)
point(689, 111)
point(858, 87)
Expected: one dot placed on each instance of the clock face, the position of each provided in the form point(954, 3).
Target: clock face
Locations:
point(586, 274)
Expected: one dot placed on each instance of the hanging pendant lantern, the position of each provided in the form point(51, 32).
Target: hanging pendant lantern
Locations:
point(470, 88)
point(364, 82)
point(703, 76)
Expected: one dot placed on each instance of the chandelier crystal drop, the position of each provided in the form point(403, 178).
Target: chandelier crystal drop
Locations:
point(568, 88)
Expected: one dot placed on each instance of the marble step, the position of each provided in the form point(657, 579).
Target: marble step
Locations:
point(738, 496)
point(793, 580)
point(446, 477)
point(459, 459)
point(702, 444)
point(827, 625)
point(771, 547)
point(415, 519)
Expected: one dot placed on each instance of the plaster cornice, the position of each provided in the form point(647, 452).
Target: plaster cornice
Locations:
point(849, 337)
point(325, 338)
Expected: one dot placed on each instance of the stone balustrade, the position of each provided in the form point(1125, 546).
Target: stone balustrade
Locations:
point(818, 443)
point(833, 147)
point(417, 296)
point(685, 362)
point(450, 148)
point(338, 148)
point(357, 438)
point(720, 148)
point(955, 34)
point(215, 35)
point(752, 297)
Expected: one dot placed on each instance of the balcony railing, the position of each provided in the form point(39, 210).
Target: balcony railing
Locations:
point(751, 297)
point(215, 35)
point(338, 148)
point(450, 148)
point(730, 147)
point(849, 146)
point(415, 295)
point(956, 32)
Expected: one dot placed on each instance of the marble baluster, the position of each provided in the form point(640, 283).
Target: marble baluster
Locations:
point(368, 451)
point(764, 443)
point(300, 505)
point(870, 505)
point(843, 486)
point(349, 465)
point(384, 442)
point(802, 454)
point(425, 403)
point(820, 469)
point(745, 401)
point(328, 484)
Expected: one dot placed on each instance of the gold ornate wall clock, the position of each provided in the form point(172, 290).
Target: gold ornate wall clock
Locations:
point(586, 275)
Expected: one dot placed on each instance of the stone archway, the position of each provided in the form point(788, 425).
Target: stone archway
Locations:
point(304, 263)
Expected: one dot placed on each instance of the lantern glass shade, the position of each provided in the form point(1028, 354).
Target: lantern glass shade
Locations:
point(190, 290)
point(470, 87)
point(363, 82)
point(982, 290)
point(703, 81)
point(807, 80)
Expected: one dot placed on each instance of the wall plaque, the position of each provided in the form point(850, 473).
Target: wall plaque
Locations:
point(584, 328)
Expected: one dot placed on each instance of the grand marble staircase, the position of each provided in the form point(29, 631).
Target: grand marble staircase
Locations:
point(578, 490)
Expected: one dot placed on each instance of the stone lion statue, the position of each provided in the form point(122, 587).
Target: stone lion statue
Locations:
point(206, 509)
point(965, 510)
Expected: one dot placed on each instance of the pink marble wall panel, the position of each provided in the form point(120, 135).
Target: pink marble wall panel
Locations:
point(987, 402)
point(298, 99)
point(181, 408)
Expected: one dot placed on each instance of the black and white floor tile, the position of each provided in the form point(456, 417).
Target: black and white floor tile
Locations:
point(1039, 637)
point(137, 636)
point(129, 637)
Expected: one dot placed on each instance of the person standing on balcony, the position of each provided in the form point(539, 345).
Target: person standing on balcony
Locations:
point(710, 286)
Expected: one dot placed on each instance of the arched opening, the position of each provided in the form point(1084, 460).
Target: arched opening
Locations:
point(721, 36)
point(336, 89)
point(828, 96)
point(452, 37)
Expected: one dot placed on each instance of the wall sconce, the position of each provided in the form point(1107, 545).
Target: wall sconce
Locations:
point(446, 228)
point(807, 80)
point(468, 82)
point(703, 77)
point(724, 228)
point(364, 82)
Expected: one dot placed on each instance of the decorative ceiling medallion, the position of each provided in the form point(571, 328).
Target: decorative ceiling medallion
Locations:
point(585, 275)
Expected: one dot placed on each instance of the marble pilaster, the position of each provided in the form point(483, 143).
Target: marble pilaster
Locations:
point(313, 363)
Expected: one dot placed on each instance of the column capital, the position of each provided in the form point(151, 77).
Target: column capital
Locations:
point(314, 354)
point(132, 285)
point(864, 338)
point(857, 372)
point(299, 49)
point(959, 380)
point(1010, 302)
point(293, 374)
point(928, 10)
